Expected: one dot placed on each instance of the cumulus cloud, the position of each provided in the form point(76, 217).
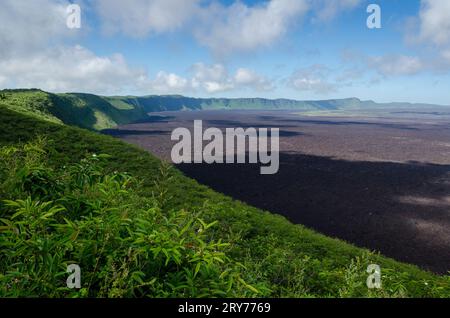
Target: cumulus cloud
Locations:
point(168, 83)
point(30, 25)
point(326, 10)
point(389, 65)
point(431, 30)
point(203, 78)
point(36, 51)
point(222, 28)
point(75, 68)
point(139, 18)
point(396, 65)
point(249, 78)
point(315, 78)
point(435, 21)
point(209, 78)
point(240, 27)
point(36, 48)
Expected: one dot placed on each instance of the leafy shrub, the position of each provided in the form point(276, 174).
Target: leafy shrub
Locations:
point(126, 245)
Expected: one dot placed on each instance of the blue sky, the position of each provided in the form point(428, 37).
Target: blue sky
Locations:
point(300, 49)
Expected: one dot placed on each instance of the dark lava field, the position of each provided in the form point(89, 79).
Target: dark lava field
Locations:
point(380, 182)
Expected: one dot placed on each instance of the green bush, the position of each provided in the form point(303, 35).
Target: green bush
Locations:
point(126, 246)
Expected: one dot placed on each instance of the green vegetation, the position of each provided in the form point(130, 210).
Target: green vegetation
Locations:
point(127, 246)
point(94, 112)
point(176, 102)
point(139, 228)
point(81, 110)
point(34, 103)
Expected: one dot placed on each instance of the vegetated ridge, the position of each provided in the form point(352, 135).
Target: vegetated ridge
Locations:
point(100, 112)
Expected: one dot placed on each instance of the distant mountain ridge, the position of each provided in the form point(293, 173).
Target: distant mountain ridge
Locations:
point(101, 112)
point(177, 102)
point(158, 103)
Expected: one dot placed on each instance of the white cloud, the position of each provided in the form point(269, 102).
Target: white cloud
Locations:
point(249, 78)
point(215, 78)
point(36, 49)
point(326, 10)
point(211, 79)
point(431, 30)
point(396, 65)
point(65, 69)
point(76, 69)
point(169, 83)
point(222, 28)
point(241, 28)
point(315, 78)
point(139, 18)
point(30, 25)
point(209, 73)
point(435, 21)
point(389, 65)
point(35, 52)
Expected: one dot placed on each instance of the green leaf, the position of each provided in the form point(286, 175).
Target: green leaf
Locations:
point(197, 269)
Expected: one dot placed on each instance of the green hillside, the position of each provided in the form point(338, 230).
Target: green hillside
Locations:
point(81, 110)
point(141, 228)
point(94, 112)
point(176, 102)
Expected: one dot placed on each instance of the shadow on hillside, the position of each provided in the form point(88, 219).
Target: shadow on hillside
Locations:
point(401, 210)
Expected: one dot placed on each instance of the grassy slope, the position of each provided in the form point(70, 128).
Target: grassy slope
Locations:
point(81, 110)
point(33, 103)
point(276, 252)
point(107, 114)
